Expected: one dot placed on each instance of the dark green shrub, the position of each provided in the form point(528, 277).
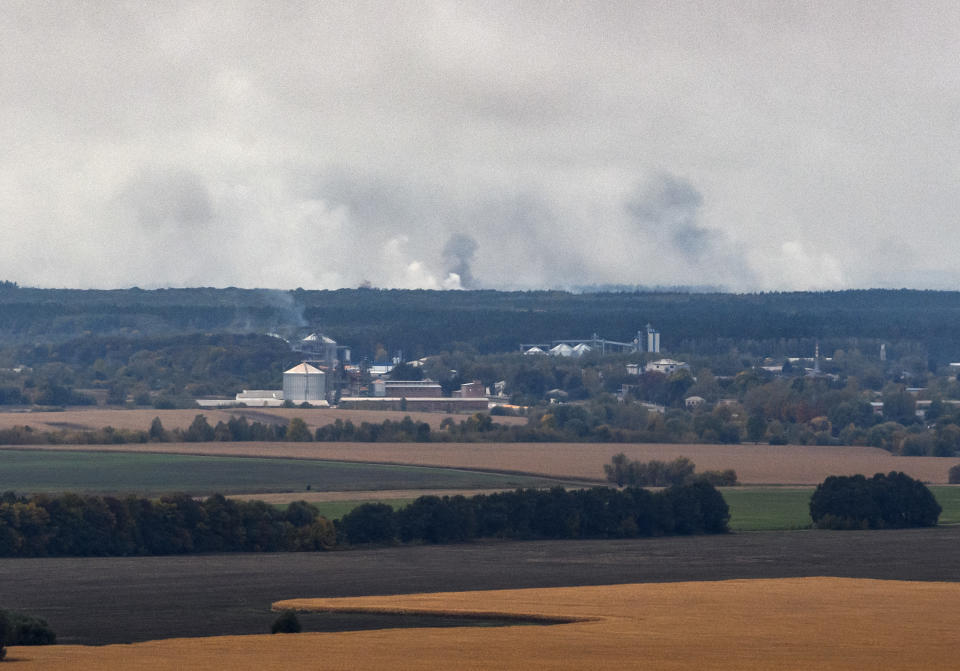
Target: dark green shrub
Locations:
point(725, 478)
point(369, 523)
point(29, 630)
point(698, 508)
point(954, 475)
point(286, 623)
point(19, 629)
point(894, 500)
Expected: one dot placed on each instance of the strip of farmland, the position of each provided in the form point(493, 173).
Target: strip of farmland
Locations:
point(754, 464)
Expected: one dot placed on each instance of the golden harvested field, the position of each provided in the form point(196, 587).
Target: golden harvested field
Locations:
point(793, 623)
point(140, 418)
point(754, 464)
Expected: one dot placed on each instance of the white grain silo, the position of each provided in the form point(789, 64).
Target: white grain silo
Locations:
point(303, 382)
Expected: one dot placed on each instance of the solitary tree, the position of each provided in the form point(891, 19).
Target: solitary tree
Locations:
point(298, 431)
point(287, 623)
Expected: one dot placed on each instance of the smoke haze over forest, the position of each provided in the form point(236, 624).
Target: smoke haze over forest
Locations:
point(439, 145)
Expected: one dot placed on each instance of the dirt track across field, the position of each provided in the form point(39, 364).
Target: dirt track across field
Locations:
point(140, 418)
point(754, 464)
point(121, 599)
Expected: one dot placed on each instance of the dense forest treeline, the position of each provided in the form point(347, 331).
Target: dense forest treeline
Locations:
point(73, 525)
point(423, 322)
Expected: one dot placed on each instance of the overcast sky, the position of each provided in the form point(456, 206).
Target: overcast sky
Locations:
point(755, 145)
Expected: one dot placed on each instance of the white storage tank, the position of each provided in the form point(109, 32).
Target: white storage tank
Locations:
point(303, 382)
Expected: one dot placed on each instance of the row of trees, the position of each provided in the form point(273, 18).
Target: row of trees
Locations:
point(599, 421)
point(599, 512)
point(73, 525)
point(622, 471)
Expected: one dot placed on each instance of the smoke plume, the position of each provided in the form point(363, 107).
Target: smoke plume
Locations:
point(458, 256)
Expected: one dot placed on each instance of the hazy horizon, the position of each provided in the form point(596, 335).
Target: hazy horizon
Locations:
point(507, 145)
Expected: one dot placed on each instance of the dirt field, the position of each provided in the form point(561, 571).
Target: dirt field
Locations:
point(102, 600)
point(369, 495)
point(140, 418)
point(754, 464)
point(742, 624)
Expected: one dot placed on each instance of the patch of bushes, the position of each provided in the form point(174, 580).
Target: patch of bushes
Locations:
point(622, 471)
point(286, 623)
point(368, 523)
point(19, 629)
point(953, 477)
point(887, 501)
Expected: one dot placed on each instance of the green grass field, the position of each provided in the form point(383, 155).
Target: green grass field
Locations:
point(36, 471)
point(765, 508)
point(751, 509)
point(758, 509)
point(949, 499)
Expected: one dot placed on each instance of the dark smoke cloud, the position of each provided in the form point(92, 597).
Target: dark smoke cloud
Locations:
point(667, 207)
point(667, 210)
point(458, 256)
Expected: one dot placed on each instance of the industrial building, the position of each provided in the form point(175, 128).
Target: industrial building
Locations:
point(645, 341)
point(406, 388)
point(419, 395)
point(665, 366)
point(653, 339)
point(304, 383)
point(320, 349)
point(473, 389)
point(264, 398)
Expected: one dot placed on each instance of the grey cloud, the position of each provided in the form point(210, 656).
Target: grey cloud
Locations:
point(162, 199)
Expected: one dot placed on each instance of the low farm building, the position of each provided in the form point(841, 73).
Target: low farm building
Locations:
point(406, 389)
point(426, 404)
point(473, 389)
point(260, 397)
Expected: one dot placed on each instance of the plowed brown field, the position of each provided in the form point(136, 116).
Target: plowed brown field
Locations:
point(140, 418)
point(795, 623)
point(754, 464)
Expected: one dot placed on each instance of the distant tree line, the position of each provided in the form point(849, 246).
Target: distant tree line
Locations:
point(600, 512)
point(890, 501)
point(599, 421)
point(74, 525)
point(423, 322)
